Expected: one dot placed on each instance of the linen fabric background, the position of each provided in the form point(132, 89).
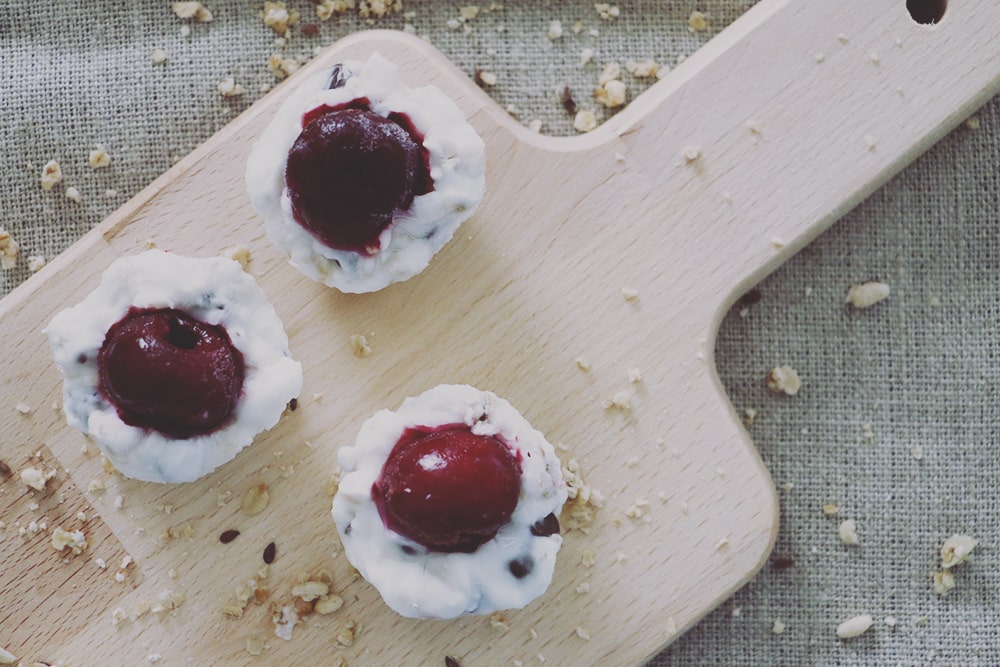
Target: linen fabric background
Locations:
point(897, 421)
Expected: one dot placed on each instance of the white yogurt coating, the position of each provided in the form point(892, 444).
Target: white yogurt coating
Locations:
point(457, 167)
point(213, 290)
point(425, 584)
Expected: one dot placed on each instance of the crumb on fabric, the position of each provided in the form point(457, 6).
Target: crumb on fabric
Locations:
point(956, 549)
point(784, 379)
point(855, 626)
point(848, 532)
point(192, 10)
point(943, 582)
point(9, 248)
point(99, 158)
point(867, 294)
point(51, 175)
point(585, 121)
point(228, 87)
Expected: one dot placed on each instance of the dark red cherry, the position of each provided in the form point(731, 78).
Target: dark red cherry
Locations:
point(348, 171)
point(167, 371)
point(449, 490)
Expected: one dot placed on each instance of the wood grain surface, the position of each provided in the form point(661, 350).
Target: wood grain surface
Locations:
point(798, 110)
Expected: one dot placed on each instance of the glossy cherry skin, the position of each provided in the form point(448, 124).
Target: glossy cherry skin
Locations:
point(449, 490)
point(348, 171)
point(165, 370)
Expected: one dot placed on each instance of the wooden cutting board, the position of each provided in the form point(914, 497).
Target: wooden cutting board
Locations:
point(791, 115)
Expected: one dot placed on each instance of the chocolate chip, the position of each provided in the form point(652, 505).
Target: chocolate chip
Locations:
point(338, 77)
point(451, 662)
point(408, 550)
point(81, 358)
point(751, 298)
point(347, 531)
point(569, 104)
point(782, 562)
point(5, 470)
point(521, 567)
point(293, 404)
point(270, 551)
point(309, 29)
point(545, 527)
point(228, 536)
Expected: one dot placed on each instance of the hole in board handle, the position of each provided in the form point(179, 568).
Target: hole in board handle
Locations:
point(926, 12)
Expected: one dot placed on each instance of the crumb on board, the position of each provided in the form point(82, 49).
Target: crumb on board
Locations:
point(582, 364)
point(691, 154)
point(867, 294)
point(75, 540)
point(620, 400)
point(192, 10)
point(855, 626)
point(784, 379)
point(238, 253)
point(583, 500)
point(35, 478)
point(360, 346)
point(630, 293)
point(256, 499)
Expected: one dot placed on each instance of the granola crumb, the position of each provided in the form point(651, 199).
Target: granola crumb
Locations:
point(848, 532)
point(944, 582)
point(819, 58)
point(582, 503)
point(282, 68)
point(722, 544)
point(348, 634)
point(256, 499)
point(35, 263)
point(23, 408)
point(192, 10)
point(890, 621)
point(867, 294)
point(99, 159)
point(328, 8)
point(73, 194)
point(584, 121)
point(582, 364)
point(973, 123)
point(582, 633)
point(255, 645)
point(278, 17)
point(586, 56)
point(239, 253)
point(620, 400)
point(158, 56)
point(855, 626)
point(555, 30)
point(119, 502)
point(691, 154)
point(611, 93)
point(583, 588)
point(35, 478)
point(784, 379)
point(51, 175)
point(328, 604)
point(630, 293)
point(830, 509)
point(359, 346)
point(870, 142)
point(228, 87)
point(643, 69)
point(8, 250)
point(634, 375)
point(498, 621)
point(778, 627)
point(842, 38)
point(607, 11)
point(75, 540)
point(118, 615)
point(697, 22)
point(378, 8)
point(956, 549)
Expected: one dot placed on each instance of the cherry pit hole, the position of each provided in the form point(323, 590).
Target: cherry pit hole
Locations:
point(926, 12)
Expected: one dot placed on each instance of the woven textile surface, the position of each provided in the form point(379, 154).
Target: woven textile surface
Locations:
point(897, 420)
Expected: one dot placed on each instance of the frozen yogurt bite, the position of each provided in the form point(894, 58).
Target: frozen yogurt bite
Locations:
point(449, 505)
point(361, 179)
point(173, 364)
